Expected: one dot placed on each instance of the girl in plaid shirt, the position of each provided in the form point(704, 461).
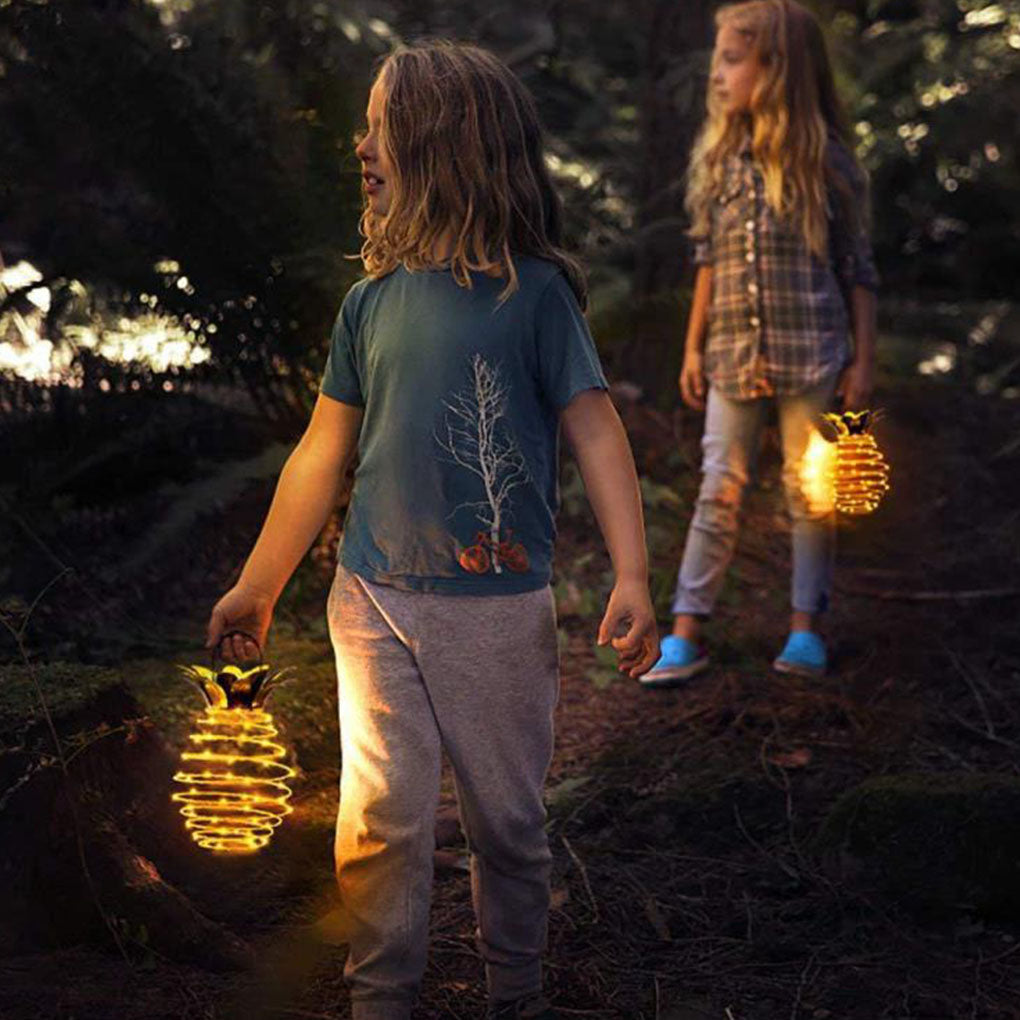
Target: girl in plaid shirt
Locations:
point(784, 304)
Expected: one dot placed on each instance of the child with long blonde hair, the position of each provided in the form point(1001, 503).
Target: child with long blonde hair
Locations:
point(453, 364)
point(784, 305)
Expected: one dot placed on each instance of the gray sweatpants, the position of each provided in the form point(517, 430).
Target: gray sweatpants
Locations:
point(418, 672)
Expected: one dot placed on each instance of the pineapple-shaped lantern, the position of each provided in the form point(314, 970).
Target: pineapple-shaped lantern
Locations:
point(233, 775)
point(860, 474)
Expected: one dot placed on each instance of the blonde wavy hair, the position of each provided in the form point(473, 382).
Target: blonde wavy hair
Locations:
point(793, 109)
point(464, 140)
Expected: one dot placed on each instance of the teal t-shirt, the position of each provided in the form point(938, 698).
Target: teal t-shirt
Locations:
point(456, 485)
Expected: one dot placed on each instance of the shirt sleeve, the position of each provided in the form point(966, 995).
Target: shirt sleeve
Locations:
point(341, 379)
point(864, 272)
point(568, 362)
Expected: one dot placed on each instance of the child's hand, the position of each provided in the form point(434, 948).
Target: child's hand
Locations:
point(855, 385)
point(629, 624)
point(240, 609)
point(692, 380)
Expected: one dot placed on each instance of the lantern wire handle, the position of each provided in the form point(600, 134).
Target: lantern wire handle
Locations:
point(214, 657)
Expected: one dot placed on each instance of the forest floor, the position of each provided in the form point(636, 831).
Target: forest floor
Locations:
point(686, 883)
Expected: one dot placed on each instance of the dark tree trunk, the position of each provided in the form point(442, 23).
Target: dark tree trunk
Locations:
point(671, 110)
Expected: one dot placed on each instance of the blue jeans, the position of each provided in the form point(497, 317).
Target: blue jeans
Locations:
point(729, 446)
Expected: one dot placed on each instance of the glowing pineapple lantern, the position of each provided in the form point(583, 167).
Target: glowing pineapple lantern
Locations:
point(860, 476)
point(234, 777)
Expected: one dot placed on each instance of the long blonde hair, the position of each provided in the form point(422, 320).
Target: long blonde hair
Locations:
point(466, 148)
point(794, 108)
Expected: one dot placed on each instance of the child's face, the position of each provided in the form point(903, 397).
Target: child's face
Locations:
point(375, 165)
point(735, 68)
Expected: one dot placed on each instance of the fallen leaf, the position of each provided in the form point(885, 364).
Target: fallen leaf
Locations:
point(656, 920)
point(795, 759)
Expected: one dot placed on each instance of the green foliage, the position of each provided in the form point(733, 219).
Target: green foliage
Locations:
point(939, 843)
point(665, 523)
point(572, 599)
point(303, 602)
point(66, 686)
point(195, 163)
point(641, 339)
point(666, 519)
point(608, 78)
point(562, 793)
point(199, 156)
point(135, 939)
point(659, 497)
point(934, 87)
point(606, 672)
point(661, 586)
point(573, 498)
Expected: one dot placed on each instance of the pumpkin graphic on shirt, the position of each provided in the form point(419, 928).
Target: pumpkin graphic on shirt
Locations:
point(476, 436)
point(514, 555)
point(477, 558)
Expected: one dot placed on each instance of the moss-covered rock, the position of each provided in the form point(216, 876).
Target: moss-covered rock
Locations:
point(702, 811)
point(111, 808)
point(66, 686)
point(936, 843)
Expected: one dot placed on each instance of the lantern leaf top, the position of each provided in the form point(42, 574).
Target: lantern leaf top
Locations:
point(233, 686)
point(853, 423)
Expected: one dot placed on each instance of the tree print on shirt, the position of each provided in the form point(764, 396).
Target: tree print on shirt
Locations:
point(476, 436)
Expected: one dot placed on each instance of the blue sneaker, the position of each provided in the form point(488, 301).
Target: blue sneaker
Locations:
point(804, 655)
point(680, 660)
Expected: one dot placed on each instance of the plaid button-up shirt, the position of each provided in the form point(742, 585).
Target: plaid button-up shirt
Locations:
point(778, 321)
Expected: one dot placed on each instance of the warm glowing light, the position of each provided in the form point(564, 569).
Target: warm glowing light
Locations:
point(861, 475)
point(150, 339)
point(234, 776)
point(817, 473)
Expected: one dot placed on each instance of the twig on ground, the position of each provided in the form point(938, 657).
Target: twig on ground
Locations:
point(584, 877)
point(970, 727)
point(801, 984)
point(784, 868)
point(969, 681)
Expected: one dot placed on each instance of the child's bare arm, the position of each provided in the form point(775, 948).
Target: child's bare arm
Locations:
point(305, 495)
point(697, 321)
point(858, 380)
point(692, 374)
point(599, 442)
